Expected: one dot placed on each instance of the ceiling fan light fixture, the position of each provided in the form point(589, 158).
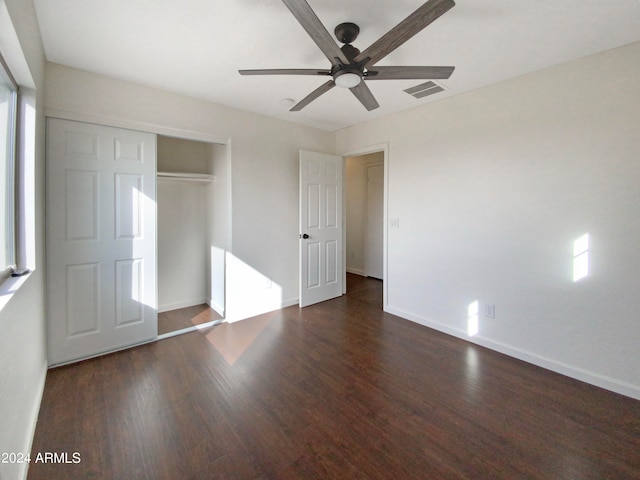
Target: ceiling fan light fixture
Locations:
point(347, 79)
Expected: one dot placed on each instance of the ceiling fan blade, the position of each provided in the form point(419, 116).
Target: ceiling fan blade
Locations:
point(324, 88)
point(285, 71)
point(362, 93)
point(316, 30)
point(406, 29)
point(408, 73)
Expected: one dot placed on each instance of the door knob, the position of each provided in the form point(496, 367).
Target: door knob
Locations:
point(305, 236)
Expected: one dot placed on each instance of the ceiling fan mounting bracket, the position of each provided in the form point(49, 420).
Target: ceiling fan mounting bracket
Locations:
point(346, 32)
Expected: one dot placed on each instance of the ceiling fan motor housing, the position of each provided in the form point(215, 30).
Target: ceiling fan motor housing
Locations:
point(350, 51)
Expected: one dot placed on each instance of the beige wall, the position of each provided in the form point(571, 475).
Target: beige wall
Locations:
point(22, 318)
point(492, 187)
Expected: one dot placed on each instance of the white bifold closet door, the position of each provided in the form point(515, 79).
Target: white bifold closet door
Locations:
point(101, 239)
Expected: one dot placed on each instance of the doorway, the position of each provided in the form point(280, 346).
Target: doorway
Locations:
point(364, 217)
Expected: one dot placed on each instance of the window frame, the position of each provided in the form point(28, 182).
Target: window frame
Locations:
point(10, 166)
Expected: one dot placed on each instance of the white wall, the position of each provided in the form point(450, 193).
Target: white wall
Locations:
point(182, 244)
point(492, 187)
point(23, 359)
point(263, 243)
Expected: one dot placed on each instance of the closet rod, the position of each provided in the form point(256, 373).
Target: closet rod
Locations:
point(187, 177)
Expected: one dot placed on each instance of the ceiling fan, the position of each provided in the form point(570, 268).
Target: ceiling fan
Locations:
point(349, 66)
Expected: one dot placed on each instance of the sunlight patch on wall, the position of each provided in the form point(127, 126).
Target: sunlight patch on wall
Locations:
point(473, 322)
point(217, 269)
point(248, 291)
point(581, 257)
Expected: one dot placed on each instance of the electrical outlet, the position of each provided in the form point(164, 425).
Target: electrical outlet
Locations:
point(489, 310)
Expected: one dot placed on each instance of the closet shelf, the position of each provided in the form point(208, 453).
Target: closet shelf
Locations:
point(187, 177)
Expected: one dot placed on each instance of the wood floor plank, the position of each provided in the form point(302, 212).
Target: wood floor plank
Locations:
point(178, 319)
point(335, 390)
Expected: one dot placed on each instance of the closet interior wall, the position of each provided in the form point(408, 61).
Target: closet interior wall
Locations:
point(188, 272)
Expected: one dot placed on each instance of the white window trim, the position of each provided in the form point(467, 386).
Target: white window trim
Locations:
point(10, 172)
point(25, 194)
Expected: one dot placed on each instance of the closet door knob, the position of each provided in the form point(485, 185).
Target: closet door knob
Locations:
point(304, 235)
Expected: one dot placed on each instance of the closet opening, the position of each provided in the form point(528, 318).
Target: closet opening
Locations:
point(192, 232)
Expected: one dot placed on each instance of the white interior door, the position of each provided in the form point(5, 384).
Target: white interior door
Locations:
point(320, 227)
point(101, 239)
point(374, 234)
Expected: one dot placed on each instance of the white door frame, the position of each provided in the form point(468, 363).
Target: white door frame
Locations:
point(384, 148)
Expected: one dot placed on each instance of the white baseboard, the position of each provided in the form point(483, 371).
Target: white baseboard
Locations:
point(283, 304)
point(289, 303)
point(602, 381)
point(182, 304)
point(219, 309)
point(355, 271)
point(34, 419)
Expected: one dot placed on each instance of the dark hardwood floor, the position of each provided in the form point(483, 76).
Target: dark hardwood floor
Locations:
point(336, 390)
point(185, 317)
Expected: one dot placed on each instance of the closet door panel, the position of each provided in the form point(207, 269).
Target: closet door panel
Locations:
point(101, 242)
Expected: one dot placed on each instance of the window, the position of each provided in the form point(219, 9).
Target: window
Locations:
point(8, 134)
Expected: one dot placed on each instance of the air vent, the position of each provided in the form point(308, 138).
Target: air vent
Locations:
point(424, 89)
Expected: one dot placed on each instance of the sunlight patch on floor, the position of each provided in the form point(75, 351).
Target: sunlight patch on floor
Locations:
point(233, 339)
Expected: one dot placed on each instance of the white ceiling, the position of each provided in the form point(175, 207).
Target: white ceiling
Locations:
point(196, 47)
